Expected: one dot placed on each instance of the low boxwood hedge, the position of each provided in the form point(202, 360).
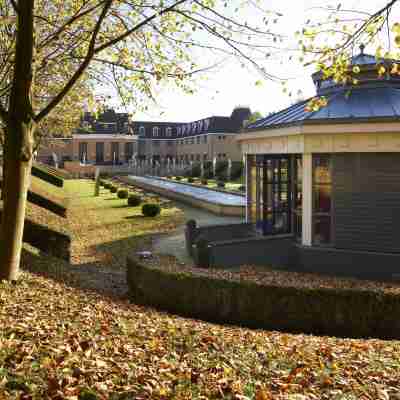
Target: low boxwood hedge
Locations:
point(122, 193)
point(41, 173)
point(47, 240)
point(113, 189)
point(151, 209)
point(334, 312)
point(42, 201)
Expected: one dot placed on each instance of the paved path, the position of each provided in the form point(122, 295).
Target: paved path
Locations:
point(174, 244)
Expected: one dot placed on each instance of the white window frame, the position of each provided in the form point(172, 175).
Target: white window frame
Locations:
point(155, 131)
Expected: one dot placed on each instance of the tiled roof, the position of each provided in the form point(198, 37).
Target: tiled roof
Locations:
point(343, 105)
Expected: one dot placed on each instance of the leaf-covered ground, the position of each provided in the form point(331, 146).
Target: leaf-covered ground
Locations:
point(61, 340)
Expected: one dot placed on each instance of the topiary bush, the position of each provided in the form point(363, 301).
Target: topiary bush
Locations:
point(151, 209)
point(208, 174)
point(204, 182)
point(220, 184)
point(196, 171)
point(122, 193)
point(190, 180)
point(134, 200)
point(237, 170)
point(113, 189)
point(178, 178)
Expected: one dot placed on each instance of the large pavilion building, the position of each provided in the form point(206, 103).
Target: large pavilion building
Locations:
point(331, 178)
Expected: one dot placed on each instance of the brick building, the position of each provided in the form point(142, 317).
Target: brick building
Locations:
point(113, 139)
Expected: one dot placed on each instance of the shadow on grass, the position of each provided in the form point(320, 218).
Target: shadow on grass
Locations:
point(106, 275)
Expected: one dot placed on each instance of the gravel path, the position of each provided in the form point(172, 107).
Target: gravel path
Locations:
point(174, 244)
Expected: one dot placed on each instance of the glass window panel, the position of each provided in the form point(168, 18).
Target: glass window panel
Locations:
point(322, 198)
point(322, 230)
point(322, 169)
point(281, 222)
point(299, 169)
point(284, 165)
point(297, 220)
point(298, 201)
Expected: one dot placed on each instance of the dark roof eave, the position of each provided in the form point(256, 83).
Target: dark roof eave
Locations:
point(325, 121)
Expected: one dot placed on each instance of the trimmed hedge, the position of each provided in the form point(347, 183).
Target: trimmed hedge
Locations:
point(47, 240)
point(113, 189)
point(204, 182)
point(220, 184)
point(42, 201)
point(134, 200)
point(122, 193)
point(178, 178)
point(151, 210)
point(190, 180)
point(334, 312)
point(41, 173)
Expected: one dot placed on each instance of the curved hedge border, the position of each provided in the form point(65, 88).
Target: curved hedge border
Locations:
point(334, 312)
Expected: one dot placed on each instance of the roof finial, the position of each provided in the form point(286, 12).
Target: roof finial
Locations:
point(362, 47)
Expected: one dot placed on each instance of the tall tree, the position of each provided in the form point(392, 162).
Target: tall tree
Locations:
point(48, 47)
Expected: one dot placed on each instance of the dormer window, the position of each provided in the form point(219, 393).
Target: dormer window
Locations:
point(141, 130)
point(168, 131)
point(178, 130)
point(194, 125)
point(188, 128)
point(155, 131)
point(183, 129)
point(200, 125)
point(206, 124)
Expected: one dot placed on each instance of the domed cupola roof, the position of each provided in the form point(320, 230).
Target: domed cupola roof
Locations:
point(371, 93)
point(363, 70)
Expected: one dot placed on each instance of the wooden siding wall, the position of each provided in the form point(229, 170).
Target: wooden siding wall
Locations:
point(366, 214)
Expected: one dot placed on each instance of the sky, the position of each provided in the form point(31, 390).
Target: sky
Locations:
point(230, 85)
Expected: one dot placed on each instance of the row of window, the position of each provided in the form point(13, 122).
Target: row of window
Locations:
point(191, 140)
point(191, 128)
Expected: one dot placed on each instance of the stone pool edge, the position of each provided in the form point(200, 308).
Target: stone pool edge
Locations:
point(214, 207)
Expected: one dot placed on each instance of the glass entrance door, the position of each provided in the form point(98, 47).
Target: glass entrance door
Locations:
point(271, 194)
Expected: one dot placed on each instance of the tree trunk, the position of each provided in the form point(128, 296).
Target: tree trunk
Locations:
point(18, 145)
point(16, 184)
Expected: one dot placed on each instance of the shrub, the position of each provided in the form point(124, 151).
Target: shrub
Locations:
point(169, 177)
point(221, 167)
point(134, 200)
point(221, 184)
point(204, 182)
point(196, 171)
point(178, 178)
point(151, 210)
point(208, 174)
point(242, 188)
point(190, 179)
point(113, 189)
point(237, 170)
point(122, 193)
